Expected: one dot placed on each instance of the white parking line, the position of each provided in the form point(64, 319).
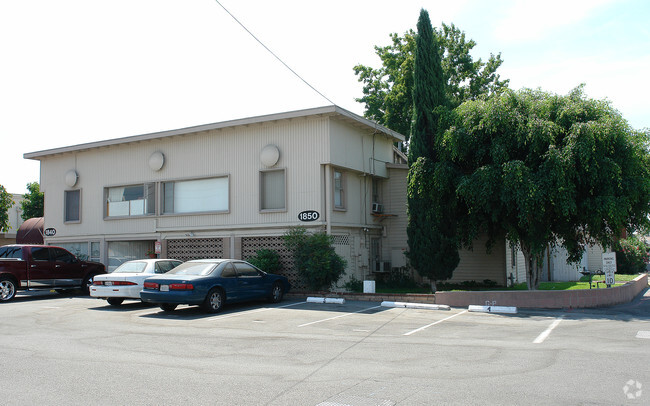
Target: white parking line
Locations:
point(540, 338)
point(643, 334)
point(337, 317)
point(434, 323)
point(217, 317)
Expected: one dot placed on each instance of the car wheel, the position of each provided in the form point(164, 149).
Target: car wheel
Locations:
point(114, 301)
point(277, 292)
point(168, 307)
point(7, 289)
point(214, 301)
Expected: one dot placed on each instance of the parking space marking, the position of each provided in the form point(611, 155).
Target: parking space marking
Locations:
point(338, 317)
point(540, 338)
point(434, 323)
point(224, 316)
point(263, 309)
point(643, 334)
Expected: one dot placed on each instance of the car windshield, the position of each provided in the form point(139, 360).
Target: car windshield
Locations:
point(193, 268)
point(131, 267)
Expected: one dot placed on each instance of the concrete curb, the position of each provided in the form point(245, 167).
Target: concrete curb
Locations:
point(331, 300)
point(492, 309)
point(415, 305)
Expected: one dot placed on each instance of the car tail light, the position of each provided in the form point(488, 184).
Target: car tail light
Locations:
point(181, 286)
point(113, 283)
point(151, 285)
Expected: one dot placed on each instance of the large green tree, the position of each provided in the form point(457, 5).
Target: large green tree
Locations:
point(388, 90)
point(430, 235)
point(545, 170)
point(5, 204)
point(32, 204)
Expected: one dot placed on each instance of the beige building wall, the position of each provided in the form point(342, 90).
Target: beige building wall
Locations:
point(478, 265)
point(311, 146)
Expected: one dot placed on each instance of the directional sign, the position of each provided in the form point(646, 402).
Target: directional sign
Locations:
point(609, 267)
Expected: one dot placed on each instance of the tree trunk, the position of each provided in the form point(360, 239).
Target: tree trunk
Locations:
point(533, 268)
point(433, 286)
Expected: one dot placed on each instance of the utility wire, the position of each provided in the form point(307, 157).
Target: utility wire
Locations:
point(272, 53)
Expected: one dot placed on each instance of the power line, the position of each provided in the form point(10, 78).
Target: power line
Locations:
point(272, 53)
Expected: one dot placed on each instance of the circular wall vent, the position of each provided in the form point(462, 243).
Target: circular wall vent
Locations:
point(156, 161)
point(270, 155)
point(71, 178)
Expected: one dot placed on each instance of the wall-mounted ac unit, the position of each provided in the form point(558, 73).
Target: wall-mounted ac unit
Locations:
point(382, 266)
point(377, 208)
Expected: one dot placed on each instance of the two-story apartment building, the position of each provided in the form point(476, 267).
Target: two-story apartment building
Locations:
point(228, 189)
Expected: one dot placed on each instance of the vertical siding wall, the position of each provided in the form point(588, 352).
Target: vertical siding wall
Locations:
point(395, 243)
point(308, 146)
point(232, 151)
point(477, 265)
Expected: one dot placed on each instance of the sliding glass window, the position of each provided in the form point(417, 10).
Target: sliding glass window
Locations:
point(132, 200)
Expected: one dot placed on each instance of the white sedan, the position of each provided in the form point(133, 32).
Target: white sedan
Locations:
point(127, 280)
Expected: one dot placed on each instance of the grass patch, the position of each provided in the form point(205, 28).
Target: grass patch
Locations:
point(583, 283)
point(411, 287)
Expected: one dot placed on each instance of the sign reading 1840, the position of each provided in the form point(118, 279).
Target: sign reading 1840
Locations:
point(308, 215)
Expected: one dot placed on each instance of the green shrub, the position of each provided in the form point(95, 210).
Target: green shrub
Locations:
point(631, 256)
point(267, 260)
point(354, 285)
point(314, 258)
point(468, 285)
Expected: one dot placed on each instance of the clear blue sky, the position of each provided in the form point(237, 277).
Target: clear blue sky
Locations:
point(76, 71)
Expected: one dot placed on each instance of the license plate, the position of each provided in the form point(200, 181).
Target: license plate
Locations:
point(108, 283)
point(164, 288)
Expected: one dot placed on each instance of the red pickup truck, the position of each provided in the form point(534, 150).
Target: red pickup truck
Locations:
point(43, 267)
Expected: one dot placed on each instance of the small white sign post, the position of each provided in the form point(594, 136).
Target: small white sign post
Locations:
point(609, 267)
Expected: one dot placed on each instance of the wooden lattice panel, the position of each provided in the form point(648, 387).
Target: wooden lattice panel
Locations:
point(250, 245)
point(341, 239)
point(195, 248)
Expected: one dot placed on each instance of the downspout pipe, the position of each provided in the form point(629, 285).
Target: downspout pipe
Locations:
point(328, 199)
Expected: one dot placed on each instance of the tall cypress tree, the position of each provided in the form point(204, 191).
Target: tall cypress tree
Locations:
point(428, 91)
point(432, 248)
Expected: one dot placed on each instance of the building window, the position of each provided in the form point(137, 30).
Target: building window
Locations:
point(122, 251)
point(273, 190)
point(133, 200)
point(376, 190)
point(87, 251)
point(196, 196)
point(72, 206)
point(339, 190)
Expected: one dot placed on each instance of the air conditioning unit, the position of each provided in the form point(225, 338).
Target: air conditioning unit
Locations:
point(382, 266)
point(377, 208)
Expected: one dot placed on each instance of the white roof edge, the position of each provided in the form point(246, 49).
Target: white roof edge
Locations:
point(331, 109)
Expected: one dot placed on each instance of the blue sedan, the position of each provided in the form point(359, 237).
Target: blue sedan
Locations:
point(212, 282)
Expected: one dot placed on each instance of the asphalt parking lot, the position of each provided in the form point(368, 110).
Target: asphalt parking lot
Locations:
point(77, 350)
